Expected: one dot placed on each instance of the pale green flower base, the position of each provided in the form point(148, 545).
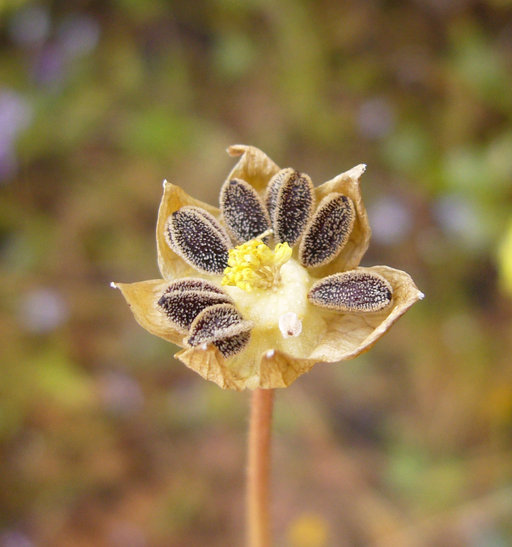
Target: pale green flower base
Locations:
point(265, 307)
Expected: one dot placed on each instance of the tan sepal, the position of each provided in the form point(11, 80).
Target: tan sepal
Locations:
point(351, 334)
point(171, 264)
point(254, 166)
point(209, 363)
point(350, 256)
point(142, 298)
point(276, 369)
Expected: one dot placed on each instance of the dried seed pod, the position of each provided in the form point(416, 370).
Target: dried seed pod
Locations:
point(182, 307)
point(328, 231)
point(199, 239)
point(194, 284)
point(352, 291)
point(243, 210)
point(221, 324)
point(293, 207)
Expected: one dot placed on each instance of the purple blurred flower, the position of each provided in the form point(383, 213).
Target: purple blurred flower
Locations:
point(458, 218)
point(42, 310)
point(29, 26)
point(15, 116)
point(391, 220)
point(49, 65)
point(14, 538)
point(376, 118)
point(120, 393)
point(78, 35)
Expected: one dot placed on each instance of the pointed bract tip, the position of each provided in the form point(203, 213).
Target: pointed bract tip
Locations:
point(164, 182)
point(236, 149)
point(270, 353)
point(421, 295)
point(355, 173)
point(113, 285)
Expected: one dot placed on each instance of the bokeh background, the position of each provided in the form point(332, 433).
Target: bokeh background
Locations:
point(105, 440)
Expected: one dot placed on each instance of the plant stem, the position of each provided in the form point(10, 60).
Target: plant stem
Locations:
point(260, 430)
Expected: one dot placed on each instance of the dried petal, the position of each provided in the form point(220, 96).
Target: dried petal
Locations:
point(220, 323)
point(199, 239)
point(194, 284)
point(254, 166)
point(182, 307)
point(141, 298)
point(242, 210)
point(353, 291)
point(328, 231)
point(293, 208)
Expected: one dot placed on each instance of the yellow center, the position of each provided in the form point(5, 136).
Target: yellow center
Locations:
point(253, 265)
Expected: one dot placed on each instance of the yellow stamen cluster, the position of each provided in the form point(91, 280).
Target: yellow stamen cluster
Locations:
point(253, 265)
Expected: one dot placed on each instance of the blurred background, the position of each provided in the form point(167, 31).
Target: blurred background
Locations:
point(105, 440)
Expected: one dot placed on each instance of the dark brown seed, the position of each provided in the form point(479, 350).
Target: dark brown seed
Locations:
point(294, 207)
point(199, 239)
point(216, 225)
point(218, 323)
point(352, 291)
point(182, 307)
point(273, 188)
point(232, 345)
point(242, 210)
point(328, 231)
point(194, 284)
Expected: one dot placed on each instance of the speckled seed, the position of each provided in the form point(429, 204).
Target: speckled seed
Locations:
point(194, 284)
point(328, 231)
point(273, 188)
point(294, 207)
point(199, 239)
point(352, 291)
point(242, 210)
point(218, 323)
point(232, 345)
point(168, 236)
point(215, 224)
point(182, 307)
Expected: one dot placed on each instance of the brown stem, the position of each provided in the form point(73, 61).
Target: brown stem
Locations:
point(258, 473)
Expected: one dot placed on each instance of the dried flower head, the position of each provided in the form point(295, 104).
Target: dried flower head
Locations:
point(260, 290)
